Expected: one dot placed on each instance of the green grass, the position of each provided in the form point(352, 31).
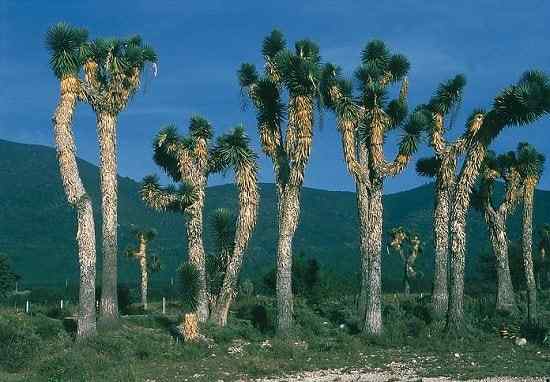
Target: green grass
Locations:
point(141, 348)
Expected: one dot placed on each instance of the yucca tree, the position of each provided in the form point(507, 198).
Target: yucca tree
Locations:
point(364, 124)
point(232, 150)
point(442, 167)
point(65, 45)
point(189, 292)
point(544, 261)
point(520, 104)
point(186, 159)
point(503, 167)
point(222, 226)
point(408, 246)
point(112, 72)
point(292, 75)
point(531, 166)
point(147, 263)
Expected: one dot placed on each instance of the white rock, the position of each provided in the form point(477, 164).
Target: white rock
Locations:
point(521, 341)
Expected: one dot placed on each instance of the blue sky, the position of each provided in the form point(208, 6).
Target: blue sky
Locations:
point(202, 43)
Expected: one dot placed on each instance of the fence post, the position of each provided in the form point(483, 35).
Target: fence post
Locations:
point(61, 304)
point(164, 305)
point(27, 307)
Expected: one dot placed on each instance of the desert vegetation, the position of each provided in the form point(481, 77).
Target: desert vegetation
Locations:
point(220, 322)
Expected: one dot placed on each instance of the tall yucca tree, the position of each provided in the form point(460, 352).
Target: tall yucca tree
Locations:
point(186, 158)
point(112, 72)
point(147, 263)
point(408, 246)
point(503, 167)
point(520, 104)
point(232, 150)
point(442, 167)
point(364, 125)
point(65, 45)
point(531, 166)
point(293, 74)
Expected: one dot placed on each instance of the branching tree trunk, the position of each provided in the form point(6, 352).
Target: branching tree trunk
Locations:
point(79, 199)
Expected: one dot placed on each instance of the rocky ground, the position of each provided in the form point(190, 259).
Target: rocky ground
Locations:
point(397, 372)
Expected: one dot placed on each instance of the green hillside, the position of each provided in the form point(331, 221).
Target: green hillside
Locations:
point(37, 227)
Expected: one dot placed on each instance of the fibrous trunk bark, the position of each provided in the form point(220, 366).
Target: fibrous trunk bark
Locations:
point(144, 280)
point(196, 247)
point(373, 312)
point(363, 210)
point(440, 293)
point(190, 327)
point(106, 130)
point(289, 201)
point(505, 301)
point(527, 244)
point(77, 197)
point(459, 214)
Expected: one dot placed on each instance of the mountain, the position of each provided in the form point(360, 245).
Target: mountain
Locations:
point(37, 227)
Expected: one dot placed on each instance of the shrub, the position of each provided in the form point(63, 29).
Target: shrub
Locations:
point(19, 342)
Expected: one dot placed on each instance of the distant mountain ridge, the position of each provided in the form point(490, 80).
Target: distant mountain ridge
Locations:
point(37, 228)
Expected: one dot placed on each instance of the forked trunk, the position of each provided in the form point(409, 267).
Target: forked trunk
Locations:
point(77, 197)
point(459, 212)
point(290, 210)
point(196, 248)
point(499, 241)
point(440, 294)
point(373, 312)
point(527, 244)
point(106, 130)
point(248, 207)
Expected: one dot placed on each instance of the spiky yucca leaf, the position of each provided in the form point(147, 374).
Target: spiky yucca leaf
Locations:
point(530, 161)
point(65, 43)
point(167, 198)
point(247, 75)
point(165, 153)
point(428, 166)
point(154, 264)
point(199, 127)
point(397, 112)
point(519, 104)
point(376, 53)
point(448, 95)
point(398, 66)
point(232, 150)
point(273, 44)
point(189, 286)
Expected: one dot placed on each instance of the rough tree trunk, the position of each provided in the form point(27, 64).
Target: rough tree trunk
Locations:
point(144, 279)
point(527, 244)
point(440, 293)
point(363, 210)
point(196, 248)
point(77, 197)
point(190, 327)
point(459, 213)
point(373, 312)
point(290, 210)
point(499, 241)
point(106, 130)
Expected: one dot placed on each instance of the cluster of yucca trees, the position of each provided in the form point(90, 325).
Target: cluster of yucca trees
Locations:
point(520, 104)
point(293, 82)
point(104, 73)
point(188, 161)
point(408, 246)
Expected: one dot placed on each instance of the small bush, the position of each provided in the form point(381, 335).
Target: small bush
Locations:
point(19, 342)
